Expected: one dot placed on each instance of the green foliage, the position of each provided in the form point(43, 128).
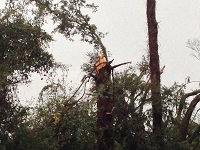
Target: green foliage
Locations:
point(67, 16)
point(76, 120)
point(89, 66)
point(75, 129)
point(22, 52)
point(76, 126)
point(130, 96)
point(70, 19)
point(22, 49)
point(10, 124)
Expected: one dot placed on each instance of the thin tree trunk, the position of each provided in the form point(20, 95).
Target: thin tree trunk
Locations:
point(154, 72)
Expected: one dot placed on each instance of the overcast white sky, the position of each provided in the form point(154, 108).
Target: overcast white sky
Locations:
point(125, 20)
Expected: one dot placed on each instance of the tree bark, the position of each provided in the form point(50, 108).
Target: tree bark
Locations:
point(104, 127)
point(154, 72)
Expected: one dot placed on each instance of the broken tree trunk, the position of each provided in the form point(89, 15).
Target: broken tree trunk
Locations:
point(104, 126)
point(105, 104)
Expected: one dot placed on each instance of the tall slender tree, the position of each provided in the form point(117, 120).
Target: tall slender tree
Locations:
point(154, 72)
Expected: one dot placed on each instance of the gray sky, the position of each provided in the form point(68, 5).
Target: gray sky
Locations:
point(125, 21)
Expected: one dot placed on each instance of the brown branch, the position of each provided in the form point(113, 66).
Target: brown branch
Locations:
point(186, 119)
point(115, 66)
point(182, 101)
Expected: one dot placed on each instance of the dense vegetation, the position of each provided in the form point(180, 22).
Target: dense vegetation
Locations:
point(60, 120)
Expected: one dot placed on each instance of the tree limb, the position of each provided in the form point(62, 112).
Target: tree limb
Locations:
point(182, 101)
point(186, 119)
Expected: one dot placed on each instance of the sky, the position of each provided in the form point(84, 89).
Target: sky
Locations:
point(125, 22)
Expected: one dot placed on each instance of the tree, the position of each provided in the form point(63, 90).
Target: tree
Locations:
point(129, 116)
point(124, 116)
point(104, 126)
point(75, 123)
point(71, 21)
point(22, 52)
point(154, 72)
point(132, 127)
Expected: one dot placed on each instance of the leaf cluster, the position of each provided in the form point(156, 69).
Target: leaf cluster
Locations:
point(22, 49)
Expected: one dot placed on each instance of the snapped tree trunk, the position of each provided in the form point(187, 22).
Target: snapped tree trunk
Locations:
point(104, 126)
point(154, 72)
